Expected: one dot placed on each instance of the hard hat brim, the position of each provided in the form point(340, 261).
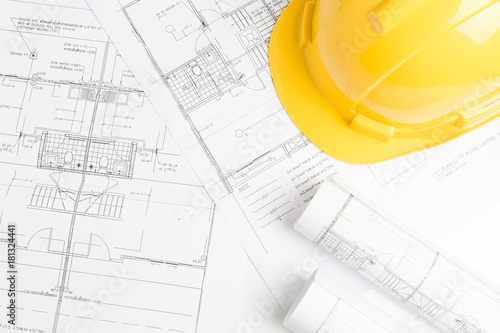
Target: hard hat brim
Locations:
point(312, 113)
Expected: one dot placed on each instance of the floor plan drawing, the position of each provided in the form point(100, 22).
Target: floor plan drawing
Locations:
point(113, 227)
point(103, 157)
point(254, 162)
point(224, 68)
point(206, 63)
point(203, 78)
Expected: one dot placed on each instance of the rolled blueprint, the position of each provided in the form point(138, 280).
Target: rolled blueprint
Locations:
point(404, 264)
point(324, 305)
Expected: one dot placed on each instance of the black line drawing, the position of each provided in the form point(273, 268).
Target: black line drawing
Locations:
point(110, 236)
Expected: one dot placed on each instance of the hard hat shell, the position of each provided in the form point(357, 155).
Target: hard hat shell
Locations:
point(371, 80)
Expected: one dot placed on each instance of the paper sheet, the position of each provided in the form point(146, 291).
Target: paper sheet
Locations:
point(324, 305)
point(204, 65)
point(111, 234)
point(418, 274)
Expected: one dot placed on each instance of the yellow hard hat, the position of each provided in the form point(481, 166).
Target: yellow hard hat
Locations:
point(371, 80)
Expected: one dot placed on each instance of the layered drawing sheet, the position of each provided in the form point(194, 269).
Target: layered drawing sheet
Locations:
point(204, 66)
point(416, 273)
point(113, 230)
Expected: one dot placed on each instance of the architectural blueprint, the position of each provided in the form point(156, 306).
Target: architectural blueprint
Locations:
point(204, 65)
point(113, 230)
point(407, 267)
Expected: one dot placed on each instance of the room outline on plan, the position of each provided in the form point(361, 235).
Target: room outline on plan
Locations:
point(105, 205)
point(204, 64)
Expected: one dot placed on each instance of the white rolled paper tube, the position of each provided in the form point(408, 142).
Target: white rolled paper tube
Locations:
point(324, 305)
point(404, 264)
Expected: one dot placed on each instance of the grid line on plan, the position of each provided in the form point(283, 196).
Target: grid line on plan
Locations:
point(264, 23)
point(277, 6)
point(103, 205)
point(104, 157)
point(200, 80)
point(343, 249)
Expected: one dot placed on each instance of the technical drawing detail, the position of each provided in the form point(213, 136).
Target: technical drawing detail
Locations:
point(402, 264)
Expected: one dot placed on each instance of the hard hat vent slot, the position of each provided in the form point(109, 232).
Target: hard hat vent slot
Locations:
point(473, 115)
point(372, 128)
point(305, 34)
